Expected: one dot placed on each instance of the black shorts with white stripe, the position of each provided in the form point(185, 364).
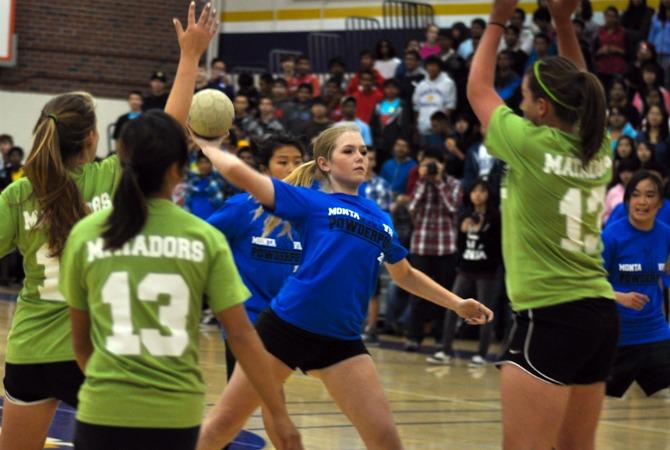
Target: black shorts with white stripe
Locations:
point(566, 344)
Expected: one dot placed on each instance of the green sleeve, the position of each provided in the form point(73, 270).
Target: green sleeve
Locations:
point(506, 135)
point(8, 224)
point(108, 169)
point(224, 287)
point(71, 279)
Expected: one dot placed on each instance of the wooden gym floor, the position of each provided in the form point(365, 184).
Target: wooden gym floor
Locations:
point(435, 407)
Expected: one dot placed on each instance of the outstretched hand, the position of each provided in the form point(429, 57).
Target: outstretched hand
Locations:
point(474, 312)
point(562, 10)
point(196, 38)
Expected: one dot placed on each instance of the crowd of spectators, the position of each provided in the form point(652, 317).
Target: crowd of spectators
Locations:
point(411, 107)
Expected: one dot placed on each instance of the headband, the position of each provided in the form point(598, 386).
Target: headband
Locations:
point(545, 88)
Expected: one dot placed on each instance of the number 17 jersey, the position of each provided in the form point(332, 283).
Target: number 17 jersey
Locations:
point(551, 210)
point(40, 330)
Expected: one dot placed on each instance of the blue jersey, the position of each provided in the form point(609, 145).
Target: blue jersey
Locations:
point(635, 261)
point(345, 239)
point(263, 262)
point(620, 211)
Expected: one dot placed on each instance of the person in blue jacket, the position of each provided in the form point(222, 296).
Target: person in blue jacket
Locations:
point(264, 262)
point(636, 250)
point(314, 323)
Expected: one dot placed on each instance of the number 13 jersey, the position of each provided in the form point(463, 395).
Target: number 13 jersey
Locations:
point(144, 302)
point(40, 330)
point(551, 210)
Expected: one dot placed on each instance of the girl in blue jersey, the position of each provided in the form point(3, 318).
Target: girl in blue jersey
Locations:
point(635, 255)
point(241, 219)
point(314, 322)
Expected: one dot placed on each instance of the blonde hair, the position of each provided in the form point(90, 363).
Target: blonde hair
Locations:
point(306, 174)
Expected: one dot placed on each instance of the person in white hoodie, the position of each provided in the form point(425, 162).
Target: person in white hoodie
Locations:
point(437, 92)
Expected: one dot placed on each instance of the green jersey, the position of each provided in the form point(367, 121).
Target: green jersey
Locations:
point(144, 302)
point(551, 212)
point(40, 331)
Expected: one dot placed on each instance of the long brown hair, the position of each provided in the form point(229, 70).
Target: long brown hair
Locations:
point(58, 140)
point(578, 99)
point(309, 172)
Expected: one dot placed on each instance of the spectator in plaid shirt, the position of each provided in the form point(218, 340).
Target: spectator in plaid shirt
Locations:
point(434, 206)
point(375, 187)
point(204, 189)
point(379, 191)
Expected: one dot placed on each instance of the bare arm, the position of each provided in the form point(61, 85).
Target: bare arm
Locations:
point(81, 336)
point(568, 44)
point(192, 44)
point(421, 285)
point(633, 300)
point(257, 365)
point(481, 93)
point(239, 173)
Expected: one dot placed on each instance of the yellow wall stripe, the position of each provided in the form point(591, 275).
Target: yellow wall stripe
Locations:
point(376, 11)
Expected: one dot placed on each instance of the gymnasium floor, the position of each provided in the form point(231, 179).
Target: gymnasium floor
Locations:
point(446, 407)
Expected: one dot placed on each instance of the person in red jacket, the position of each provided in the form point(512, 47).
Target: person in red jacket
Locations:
point(367, 96)
point(367, 64)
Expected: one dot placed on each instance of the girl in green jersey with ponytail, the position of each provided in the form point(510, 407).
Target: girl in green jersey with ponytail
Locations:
point(37, 213)
point(560, 351)
point(134, 278)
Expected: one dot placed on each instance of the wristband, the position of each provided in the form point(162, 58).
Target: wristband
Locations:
point(498, 24)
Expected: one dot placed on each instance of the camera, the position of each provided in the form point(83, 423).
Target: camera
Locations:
point(476, 217)
point(431, 169)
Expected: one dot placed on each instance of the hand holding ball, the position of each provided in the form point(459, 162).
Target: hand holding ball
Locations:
point(211, 114)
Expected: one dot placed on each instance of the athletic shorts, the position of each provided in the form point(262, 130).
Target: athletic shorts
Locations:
point(566, 344)
point(29, 384)
point(648, 364)
point(300, 349)
point(101, 437)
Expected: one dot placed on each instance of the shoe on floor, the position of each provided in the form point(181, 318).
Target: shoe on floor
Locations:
point(439, 358)
point(477, 361)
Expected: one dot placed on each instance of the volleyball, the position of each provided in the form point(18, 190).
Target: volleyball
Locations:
point(211, 114)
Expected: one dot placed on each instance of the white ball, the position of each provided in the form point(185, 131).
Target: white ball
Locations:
point(211, 114)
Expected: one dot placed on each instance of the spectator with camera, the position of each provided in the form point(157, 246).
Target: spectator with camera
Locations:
point(434, 207)
point(218, 79)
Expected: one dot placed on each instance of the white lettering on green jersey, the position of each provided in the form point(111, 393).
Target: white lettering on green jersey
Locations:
point(40, 331)
point(551, 209)
point(150, 247)
point(145, 302)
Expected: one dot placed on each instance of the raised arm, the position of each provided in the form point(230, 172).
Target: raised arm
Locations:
point(568, 44)
point(481, 93)
point(192, 44)
point(421, 285)
point(239, 173)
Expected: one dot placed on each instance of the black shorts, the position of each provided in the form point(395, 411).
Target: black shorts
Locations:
point(648, 364)
point(300, 349)
point(101, 437)
point(29, 384)
point(566, 344)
